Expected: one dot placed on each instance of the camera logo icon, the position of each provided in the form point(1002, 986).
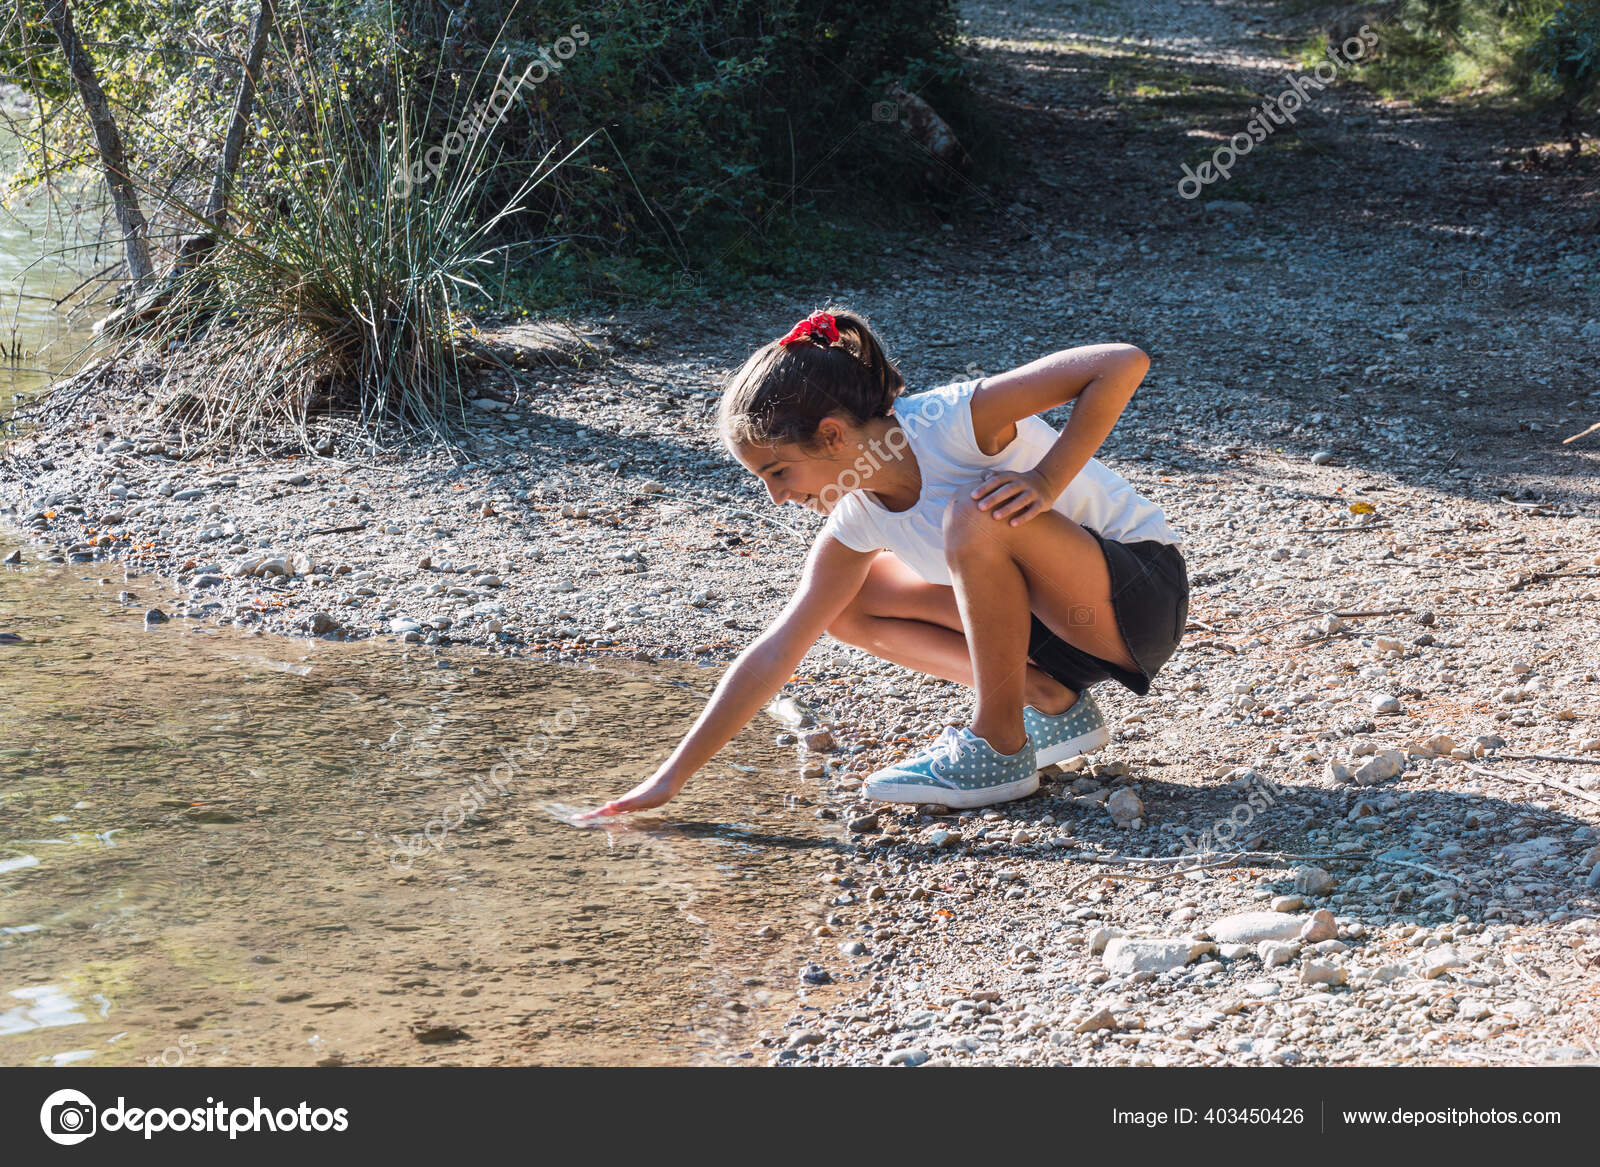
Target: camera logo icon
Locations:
point(885, 111)
point(68, 1117)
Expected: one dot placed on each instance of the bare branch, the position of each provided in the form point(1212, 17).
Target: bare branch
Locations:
point(217, 207)
point(123, 196)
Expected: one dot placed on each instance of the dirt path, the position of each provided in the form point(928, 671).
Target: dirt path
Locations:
point(1367, 345)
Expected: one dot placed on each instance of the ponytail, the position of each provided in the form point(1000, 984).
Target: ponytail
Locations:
point(789, 385)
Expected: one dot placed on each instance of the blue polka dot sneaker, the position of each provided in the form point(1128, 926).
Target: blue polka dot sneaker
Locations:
point(959, 770)
point(1058, 736)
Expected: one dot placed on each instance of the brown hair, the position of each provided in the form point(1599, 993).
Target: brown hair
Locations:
point(783, 391)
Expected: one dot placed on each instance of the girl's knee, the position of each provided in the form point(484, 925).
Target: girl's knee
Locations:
point(962, 520)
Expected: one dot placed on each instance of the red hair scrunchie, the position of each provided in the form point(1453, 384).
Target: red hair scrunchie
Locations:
point(817, 322)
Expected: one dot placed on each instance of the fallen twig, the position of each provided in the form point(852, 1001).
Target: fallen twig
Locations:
point(1538, 576)
point(1534, 780)
point(1552, 758)
point(1581, 433)
point(1343, 634)
point(1342, 530)
point(1235, 856)
point(1433, 871)
point(1318, 615)
point(1166, 875)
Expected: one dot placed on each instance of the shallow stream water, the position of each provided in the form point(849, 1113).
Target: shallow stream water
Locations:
point(223, 848)
point(50, 245)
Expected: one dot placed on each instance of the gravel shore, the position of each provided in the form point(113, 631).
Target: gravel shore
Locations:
point(1366, 350)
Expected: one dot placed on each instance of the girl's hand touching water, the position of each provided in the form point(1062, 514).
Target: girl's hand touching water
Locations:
point(832, 576)
point(652, 792)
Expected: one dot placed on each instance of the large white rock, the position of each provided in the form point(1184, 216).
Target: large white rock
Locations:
point(1128, 954)
point(1254, 927)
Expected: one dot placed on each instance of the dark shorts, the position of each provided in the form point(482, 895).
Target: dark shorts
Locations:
point(1150, 597)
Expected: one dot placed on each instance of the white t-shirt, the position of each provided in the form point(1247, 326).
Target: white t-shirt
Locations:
point(938, 425)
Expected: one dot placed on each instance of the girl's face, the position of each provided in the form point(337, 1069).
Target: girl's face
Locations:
point(795, 474)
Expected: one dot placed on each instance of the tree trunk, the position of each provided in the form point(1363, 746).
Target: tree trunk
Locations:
point(217, 207)
point(124, 197)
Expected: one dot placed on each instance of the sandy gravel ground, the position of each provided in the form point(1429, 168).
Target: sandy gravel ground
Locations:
point(1382, 730)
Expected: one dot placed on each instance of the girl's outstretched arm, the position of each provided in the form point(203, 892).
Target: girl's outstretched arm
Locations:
point(832, 577)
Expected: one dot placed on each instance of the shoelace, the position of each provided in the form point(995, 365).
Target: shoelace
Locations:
point(953, 745)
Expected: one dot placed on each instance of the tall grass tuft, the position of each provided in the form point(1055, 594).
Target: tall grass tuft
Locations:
point(337, 283)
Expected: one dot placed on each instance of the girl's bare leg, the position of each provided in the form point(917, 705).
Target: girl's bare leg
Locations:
point(1048, 565)
point(900, 617)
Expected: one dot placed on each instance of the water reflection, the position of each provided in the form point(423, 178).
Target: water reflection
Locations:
point(42, 1006)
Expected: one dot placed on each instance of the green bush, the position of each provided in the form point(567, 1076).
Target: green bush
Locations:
point(731, 132)
point(1567, 49)
point(659, 146)
point(1445, 48)
point(338, 282)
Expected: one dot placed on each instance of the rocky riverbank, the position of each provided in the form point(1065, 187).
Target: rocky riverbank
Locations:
point(1389, 694)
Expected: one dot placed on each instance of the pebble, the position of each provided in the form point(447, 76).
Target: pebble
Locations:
point(1101, 1019)
point(1276, 952)
point(156, 616)
point(1320, 927)
point(1380, 767)
point(1322, 972)
point(818, 740)
point(1125, 808)
point(1313, 880)
point(906, 1057)
point(1100, 937)
point(1288, 903)
point(1436, 962)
